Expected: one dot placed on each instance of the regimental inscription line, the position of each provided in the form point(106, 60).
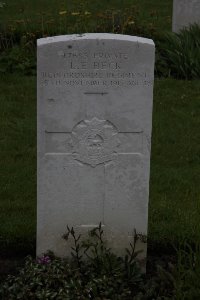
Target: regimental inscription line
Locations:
point(96, 93)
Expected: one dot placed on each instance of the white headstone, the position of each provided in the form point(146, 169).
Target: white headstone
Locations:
point(185, 12)
point(95, 94)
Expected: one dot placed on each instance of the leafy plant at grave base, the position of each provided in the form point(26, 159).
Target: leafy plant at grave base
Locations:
point(109, 275)
point(94, 272)
point(102, 275)
point(179, 54)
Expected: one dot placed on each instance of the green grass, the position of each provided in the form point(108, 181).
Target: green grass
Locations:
point(174, 188)
point(30, 15)
point(18, 163)
point(175, 160)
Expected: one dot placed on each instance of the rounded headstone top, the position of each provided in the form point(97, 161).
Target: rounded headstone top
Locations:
point(91, 36)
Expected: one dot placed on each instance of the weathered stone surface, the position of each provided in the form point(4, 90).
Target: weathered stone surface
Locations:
point(185, 12)
point(95, 95)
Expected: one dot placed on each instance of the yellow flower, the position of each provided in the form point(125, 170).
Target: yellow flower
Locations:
point(131, 22)
point(75, 13)
point(19, 21)
point(63, 12)
point(87, 13)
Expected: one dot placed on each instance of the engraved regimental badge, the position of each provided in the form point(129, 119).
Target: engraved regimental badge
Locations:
point(94, 141)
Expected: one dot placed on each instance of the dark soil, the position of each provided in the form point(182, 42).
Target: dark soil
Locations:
point(10, 267)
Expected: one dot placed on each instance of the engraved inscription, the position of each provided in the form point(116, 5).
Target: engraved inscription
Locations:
point(97, 60)
point(106, 69)
point(95, 141)
point(99, 78)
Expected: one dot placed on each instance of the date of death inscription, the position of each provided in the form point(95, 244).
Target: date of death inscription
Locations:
point(105, 79)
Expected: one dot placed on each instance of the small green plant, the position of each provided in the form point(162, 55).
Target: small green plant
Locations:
point(187, 272)
point(94, 272)
point(178, 54)
point(100, 259)
point(18, 59)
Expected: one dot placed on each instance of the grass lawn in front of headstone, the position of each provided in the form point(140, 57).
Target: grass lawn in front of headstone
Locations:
point(18, 164)
point(174, 186)
point(175, 159)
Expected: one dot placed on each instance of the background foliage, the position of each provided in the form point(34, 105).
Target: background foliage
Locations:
point(177, 55)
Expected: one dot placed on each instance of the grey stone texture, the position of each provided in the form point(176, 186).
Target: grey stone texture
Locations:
point(185, 12)
point(95, 96)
